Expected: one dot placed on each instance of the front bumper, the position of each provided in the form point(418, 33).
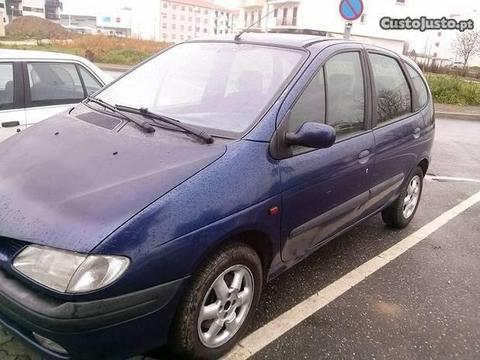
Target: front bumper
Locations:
point(106, 328)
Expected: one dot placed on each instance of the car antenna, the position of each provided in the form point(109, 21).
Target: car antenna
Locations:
point(239, 35)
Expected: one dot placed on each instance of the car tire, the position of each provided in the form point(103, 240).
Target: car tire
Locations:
point(399, 214)
point(210, 307)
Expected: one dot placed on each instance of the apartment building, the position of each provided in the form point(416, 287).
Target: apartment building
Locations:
point(180, 20)
point(3, 17)
point(46, 9)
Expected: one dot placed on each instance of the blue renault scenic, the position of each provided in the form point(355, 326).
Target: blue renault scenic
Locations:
point(154, 212)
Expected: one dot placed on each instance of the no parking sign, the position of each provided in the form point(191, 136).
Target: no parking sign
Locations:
point(351, 9)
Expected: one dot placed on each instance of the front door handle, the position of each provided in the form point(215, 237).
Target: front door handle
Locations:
point(7, 124)
point(416, 133)
point(364, 156)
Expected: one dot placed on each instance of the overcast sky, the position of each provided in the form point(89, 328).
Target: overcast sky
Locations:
point(438, 6)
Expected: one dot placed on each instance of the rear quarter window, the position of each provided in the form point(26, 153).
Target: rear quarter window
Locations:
point(420, 87)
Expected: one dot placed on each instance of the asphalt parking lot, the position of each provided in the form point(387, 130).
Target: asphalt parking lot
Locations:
point(423, 304)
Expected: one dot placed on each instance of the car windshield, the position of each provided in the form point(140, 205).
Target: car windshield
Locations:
point(223, 87)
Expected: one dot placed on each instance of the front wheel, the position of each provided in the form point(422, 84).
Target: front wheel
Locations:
point(219, 303)
point(401, 212)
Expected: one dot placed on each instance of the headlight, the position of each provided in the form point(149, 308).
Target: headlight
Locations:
point(67, 271)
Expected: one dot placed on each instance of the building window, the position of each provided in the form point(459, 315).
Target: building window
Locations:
point(197, 29)
point(174, 17)
point(206, 12)
point(439, 34)
point(275, 13)
point(252, 18)
point(173, 36)
point(182, 18)
point(246, 19)
point(205, 30)
point(165, 5)
point(183, 8)
point(189, 28)
point(174, 26)
point(437, 44)
point(205, 21)
point(401, 2)
point(174, 7)
point(363, 18)
point(285, 14)
point(294, 19)
point(182, 27)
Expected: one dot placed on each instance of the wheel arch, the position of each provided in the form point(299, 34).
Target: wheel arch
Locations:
point(424, 164)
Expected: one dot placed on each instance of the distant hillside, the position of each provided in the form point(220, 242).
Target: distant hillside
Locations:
point(30, 27)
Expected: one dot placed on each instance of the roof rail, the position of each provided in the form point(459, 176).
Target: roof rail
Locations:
point(298, 31)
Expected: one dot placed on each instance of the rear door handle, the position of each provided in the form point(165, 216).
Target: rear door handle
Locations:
point(7, 124)
point(416, 133)
point(364, 156)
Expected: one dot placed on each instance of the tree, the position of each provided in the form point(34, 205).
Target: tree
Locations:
point(466, 45)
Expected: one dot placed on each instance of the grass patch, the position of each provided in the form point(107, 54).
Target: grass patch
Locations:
point(101, 49)
point(448, 89)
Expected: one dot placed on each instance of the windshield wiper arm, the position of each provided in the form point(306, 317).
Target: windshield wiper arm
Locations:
point(145, 112)
point(144, 125)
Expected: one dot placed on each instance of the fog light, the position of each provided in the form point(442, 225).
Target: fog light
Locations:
point(49, 344)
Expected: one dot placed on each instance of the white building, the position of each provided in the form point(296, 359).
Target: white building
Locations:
point(324, 16)
point(180, 20)
point(28, 8)
point(112, 22)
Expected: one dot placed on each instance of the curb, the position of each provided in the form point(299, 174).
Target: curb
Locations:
point(456, 115)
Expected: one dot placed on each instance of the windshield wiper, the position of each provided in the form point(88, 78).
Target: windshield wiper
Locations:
point(145, 112)
point(144, 125)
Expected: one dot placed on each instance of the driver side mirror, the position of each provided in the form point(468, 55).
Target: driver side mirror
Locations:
point(312, 135)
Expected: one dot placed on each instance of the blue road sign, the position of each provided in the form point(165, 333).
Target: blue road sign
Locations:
point(351, 9)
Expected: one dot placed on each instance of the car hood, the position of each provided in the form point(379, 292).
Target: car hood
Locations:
point(68, 184)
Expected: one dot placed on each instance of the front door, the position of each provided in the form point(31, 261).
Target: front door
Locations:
point(325, 190)
point(12, 113)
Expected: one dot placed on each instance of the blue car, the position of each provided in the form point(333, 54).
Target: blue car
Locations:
point(154, 212)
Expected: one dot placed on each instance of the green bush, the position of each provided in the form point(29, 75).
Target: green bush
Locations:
point(454, 90)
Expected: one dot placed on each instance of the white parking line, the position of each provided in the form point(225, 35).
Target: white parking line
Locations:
point(271, 331)
point(447, 178)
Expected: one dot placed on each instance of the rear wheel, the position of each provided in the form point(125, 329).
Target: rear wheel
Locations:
point(401, 212)
point(220, 303)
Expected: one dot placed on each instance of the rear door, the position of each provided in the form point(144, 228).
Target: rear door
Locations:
point(325, 190)
point(53, 87)
point(398, 127)
point(12, 112)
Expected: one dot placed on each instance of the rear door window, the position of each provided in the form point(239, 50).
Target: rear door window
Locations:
point(6, 86)
point(91, 84)
point(54, 83)
point(393, 92)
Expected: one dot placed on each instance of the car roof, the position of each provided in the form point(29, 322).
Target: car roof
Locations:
point(36, 55)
